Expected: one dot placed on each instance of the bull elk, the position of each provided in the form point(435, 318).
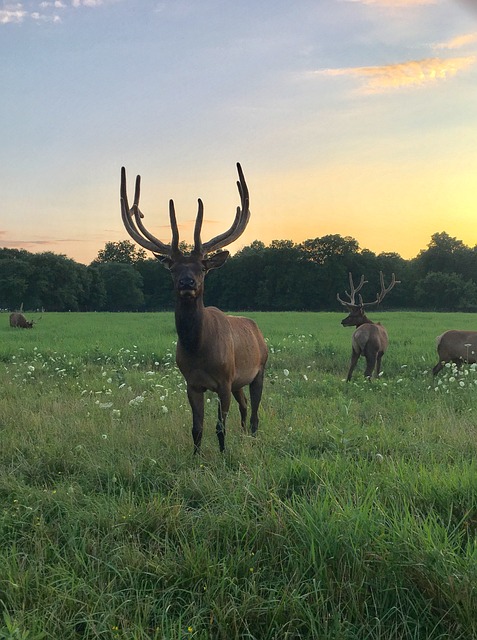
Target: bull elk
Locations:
point(370, 339)
point(18, 320)
point(457, 347)
point(214, 351)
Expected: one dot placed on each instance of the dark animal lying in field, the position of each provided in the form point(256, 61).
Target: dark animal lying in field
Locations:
point(18, 320)
point(457, 347)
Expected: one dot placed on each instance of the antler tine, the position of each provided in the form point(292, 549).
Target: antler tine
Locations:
point(198, 249)
point(384, 289)
point(132, 220)
point(354, 290)
point(175, 230)
point(240, 222)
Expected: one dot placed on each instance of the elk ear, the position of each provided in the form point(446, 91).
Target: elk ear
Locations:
point(166, 261)
point(216, 261)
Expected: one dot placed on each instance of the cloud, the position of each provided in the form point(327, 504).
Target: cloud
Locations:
point(87, 3)
point(12, 13)
point(458, 41)
point(44, 11)
point(17, 13)
point(415, 73)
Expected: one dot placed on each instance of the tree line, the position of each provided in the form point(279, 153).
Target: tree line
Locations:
point(283, 276)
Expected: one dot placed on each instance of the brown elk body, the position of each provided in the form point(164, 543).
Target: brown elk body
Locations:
point(18, 320)
point(370, 339)
point(457, 347)
point(214, 351)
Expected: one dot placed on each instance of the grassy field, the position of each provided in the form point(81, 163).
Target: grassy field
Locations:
point(352, 515)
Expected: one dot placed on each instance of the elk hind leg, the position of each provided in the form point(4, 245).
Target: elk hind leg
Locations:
point(371, 363)
point(256, 388)
point(354, 361)
point(242, 403)
point(378, 363)
point(438, 367)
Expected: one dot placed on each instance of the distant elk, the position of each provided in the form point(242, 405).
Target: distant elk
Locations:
point(457, 347)
point(214, 351)
point(370, 339)
point(18, 320)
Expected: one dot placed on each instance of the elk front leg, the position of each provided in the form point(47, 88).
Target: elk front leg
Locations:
point(256, 387)
point(225, 396)
point(196, 401)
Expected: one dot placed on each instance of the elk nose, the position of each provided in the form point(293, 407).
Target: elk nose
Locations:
point(186, 283)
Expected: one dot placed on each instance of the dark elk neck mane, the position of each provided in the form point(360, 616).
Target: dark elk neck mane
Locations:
point(364, 320)
point(189, 315)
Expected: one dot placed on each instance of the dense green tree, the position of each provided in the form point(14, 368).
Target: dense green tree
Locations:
point(96, 295)
point(445, 254)
point(157, 285)
point(280, 276)
point(123, 284)
point(56, 283)
point(446, 291)
point(123, 251)
point(15, 274)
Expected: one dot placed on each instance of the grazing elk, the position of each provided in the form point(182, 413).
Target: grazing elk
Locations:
point(214, 351)
point(457, 347)
point(370, 339)
point(18, 320)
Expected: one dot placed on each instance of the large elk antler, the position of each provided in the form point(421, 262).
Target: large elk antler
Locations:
point(384, 290)
point(132, 221)
point(353, 291)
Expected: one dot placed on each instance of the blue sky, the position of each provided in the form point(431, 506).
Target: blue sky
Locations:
point(355, 117)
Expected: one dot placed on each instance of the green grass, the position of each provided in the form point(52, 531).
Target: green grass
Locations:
point(352, 515)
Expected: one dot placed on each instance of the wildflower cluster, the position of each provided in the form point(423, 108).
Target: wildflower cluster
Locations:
point(456, 378)
point(123, 383)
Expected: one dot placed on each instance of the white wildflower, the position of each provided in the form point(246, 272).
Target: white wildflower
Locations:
point(286, 373)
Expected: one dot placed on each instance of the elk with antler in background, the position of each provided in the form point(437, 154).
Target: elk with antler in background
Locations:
point(370, 339)
point(215, 351)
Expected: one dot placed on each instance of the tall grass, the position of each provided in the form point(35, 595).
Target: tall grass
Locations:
point(352, 515)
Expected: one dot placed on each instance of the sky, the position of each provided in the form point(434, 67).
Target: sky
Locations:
point(350, 117)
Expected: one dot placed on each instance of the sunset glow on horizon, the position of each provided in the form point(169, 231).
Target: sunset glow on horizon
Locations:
point(350, 117)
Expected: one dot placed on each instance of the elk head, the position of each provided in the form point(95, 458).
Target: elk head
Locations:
point(357, 314)
point(188, 271)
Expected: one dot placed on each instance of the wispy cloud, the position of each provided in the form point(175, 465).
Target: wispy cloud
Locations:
point(87, 3)
point(458, 41)
point(12, 13)
point(414, 73)
point(44, 11)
